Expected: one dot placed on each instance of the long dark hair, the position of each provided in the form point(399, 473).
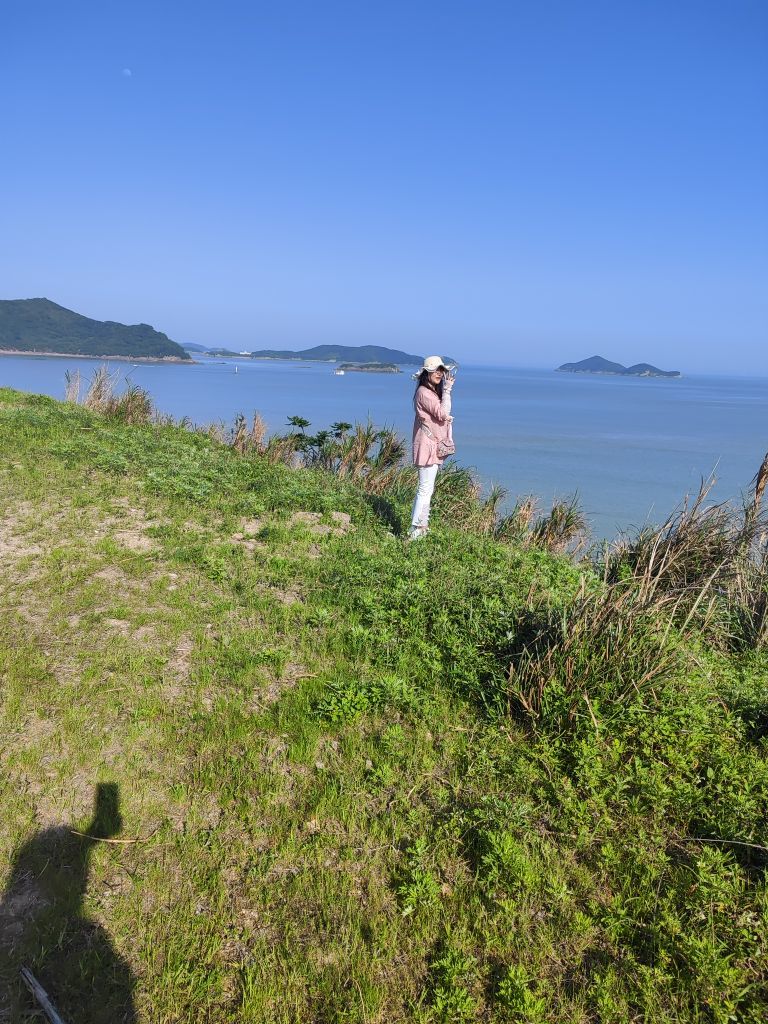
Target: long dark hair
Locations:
point(425, 382)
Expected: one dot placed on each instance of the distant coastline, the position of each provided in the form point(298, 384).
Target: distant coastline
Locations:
point(369, 368)
point(360, 355)
point(100, 358)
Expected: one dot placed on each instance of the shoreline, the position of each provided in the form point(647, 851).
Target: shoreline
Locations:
point(617, 373)
point(81, 355)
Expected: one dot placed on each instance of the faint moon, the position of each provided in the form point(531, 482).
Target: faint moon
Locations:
point(127, 72)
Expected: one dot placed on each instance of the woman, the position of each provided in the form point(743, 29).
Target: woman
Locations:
point(432, 402)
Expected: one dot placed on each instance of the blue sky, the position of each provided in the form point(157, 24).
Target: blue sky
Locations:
point(515, 183)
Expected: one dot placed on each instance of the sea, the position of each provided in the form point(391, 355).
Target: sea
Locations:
point(630, 448)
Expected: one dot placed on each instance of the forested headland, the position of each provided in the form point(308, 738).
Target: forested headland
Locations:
point(42, 326)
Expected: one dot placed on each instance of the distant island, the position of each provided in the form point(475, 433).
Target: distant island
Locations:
point(369, 368)
point(41, 327)
point(370, 355)
point(597, 364)
point(339, 353)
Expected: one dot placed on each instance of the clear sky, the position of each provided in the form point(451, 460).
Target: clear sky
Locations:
point(517, 183)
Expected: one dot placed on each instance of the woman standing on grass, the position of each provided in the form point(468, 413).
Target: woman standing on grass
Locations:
point(431, 436)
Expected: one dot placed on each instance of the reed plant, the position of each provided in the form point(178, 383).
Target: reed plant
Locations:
point(710, 557)
point(245, 437)
point(101, 390)
point(609, 646)
point(515, 526)
point(132, 406)
point(563, 529)
point(704, 571)
point(72, 386)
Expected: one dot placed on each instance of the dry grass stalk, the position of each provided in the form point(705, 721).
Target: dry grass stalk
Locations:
point(700, 571)
point(716, 549)
point(281, 449)
point(354, 451)
point(524, 511)
point(487, 516)
point(563, 529)
point(72, 385)
point(686, 549)
point(101, 389)
point(258, 434)
point(760, 480)
point(608, 638)
point(748, 605)
point(239, 439)
point(133, 406)
point(248, 439)
point(514, 528)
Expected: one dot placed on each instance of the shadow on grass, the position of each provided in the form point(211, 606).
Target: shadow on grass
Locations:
point(43, 927)
point(385, 511)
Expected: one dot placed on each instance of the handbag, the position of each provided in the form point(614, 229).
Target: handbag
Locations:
point(444, 447)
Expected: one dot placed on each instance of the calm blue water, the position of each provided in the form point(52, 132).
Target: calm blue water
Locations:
point(631, 447)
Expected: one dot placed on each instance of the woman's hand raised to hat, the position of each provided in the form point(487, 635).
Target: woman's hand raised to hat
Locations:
point(448, 382)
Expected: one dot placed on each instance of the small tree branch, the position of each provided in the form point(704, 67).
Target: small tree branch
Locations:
point(724, 842)
point(40, 995)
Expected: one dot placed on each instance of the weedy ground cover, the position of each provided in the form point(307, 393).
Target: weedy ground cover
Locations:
point(326, 776)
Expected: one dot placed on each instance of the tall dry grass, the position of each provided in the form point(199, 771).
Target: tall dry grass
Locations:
point(564, 529)
point(717, 550)
point(612, 637)
point(704, 571)
point(72, 386)
point(249, 438)
point(133, 406)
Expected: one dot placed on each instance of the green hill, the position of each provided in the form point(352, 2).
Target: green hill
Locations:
point(39, 325)
point(597, 364)
point(351, 353)
point(649, 370)
point(263, 762)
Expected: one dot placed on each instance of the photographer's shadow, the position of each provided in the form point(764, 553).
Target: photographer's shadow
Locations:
point(42, 926)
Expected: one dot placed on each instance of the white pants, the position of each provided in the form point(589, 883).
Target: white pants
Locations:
point(420, 513)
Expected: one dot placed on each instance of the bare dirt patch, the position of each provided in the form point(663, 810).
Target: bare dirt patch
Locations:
point(134, 540)
point(22, 525)
point(314, 524)
point(121, 626)
point(54, 799)
point(179, 668)
point(120, 581)
point(15, 548)
point(273, 690)
point(247, 542)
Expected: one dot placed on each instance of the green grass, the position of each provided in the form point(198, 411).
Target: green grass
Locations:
point(344, 812)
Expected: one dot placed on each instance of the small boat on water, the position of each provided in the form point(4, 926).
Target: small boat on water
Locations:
point(338, 373)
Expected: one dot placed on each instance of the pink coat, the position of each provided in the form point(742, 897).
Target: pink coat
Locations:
point(430, 412)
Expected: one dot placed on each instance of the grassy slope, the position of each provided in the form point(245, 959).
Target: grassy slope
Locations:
point(307, 726)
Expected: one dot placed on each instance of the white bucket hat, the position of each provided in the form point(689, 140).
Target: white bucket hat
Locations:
point(432, 363)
